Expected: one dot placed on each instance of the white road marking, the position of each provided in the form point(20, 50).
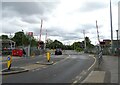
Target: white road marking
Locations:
point(92, 64)
point(44, 67)
point(75, 82)
point(61, 60)
point(79, 78)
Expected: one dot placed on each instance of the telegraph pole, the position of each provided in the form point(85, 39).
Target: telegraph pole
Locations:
point(117, 41)
point(84, 40)
point(111, 28)
point(45, 40)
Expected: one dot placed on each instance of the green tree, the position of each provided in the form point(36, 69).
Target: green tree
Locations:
point(21, 39)
point(34, 42)
point(57, 44)
point(88, 43)
point(54, 44)
point(4, 37)
point(49, 43)
point(77, 46)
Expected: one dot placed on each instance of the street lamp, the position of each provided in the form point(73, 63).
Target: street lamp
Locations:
point(22, 37)
point(117, 41)
point(117, 34)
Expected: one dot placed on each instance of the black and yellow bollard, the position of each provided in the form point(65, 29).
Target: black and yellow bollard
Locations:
point(9, 61)
point(48, 56)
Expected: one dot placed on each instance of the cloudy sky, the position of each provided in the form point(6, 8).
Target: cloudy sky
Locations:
point(64, 20)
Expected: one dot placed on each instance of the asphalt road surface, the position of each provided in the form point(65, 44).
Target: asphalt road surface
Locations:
point(66, 69)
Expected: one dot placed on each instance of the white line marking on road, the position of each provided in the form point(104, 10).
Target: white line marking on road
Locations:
point(44, 67)
point(77, 77)
point(80, 78)
point(75, 82)
point(92, 64)
point(36, 70)
point(61, 60)
point(90, 55)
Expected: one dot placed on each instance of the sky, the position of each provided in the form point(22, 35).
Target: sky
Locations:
point(64, 20)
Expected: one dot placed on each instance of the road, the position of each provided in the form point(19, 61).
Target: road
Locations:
point(66, 69)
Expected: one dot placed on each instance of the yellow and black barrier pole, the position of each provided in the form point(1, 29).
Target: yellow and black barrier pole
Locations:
point(48, 56)
point(9, 61)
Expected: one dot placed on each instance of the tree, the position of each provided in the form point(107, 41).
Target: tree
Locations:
point(34, 42)
point(54, 44)
point(88, 43)
point(48, 43)
point(21, 39)
point(77, 46)
point(4, 37)
point(57, 44)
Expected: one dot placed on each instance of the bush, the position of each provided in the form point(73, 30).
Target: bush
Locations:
point(79, 49)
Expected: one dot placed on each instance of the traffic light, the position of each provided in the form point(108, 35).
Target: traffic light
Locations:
point(41, 44)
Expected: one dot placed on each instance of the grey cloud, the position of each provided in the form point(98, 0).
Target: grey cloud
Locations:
point(72, 37)
point(55, 31)
point(10, 28)
point(31, 19)
point(92, 6)
point(87, 27)
point(28, 8)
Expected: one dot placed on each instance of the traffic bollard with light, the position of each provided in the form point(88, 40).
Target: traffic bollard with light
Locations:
point(48, 56)
point(9, 61)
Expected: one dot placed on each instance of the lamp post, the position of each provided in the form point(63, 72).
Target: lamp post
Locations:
point(117, 34)
point(84, 41)
point(117, 41)
point(22, 37)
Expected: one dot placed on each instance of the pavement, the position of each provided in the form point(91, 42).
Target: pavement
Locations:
point(107, 72)
point(4, 58)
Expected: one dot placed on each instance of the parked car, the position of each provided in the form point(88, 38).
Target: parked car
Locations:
point(58, 51)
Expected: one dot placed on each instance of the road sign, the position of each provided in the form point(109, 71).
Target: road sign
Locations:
point(9, 60)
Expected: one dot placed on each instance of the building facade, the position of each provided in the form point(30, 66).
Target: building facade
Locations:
point(8, 44)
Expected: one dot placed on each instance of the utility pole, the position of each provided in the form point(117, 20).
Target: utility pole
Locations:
point(22, 38)
point(111, 28)
point(45, 40)
point(117, 41)
point(84, 40)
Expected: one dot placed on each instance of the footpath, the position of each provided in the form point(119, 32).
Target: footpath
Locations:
point(106, 72)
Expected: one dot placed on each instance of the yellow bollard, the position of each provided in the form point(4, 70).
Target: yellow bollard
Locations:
point(9, 61)
point(48, 56)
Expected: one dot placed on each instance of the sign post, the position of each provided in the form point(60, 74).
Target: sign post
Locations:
point(9, 61)
point(48, 56)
